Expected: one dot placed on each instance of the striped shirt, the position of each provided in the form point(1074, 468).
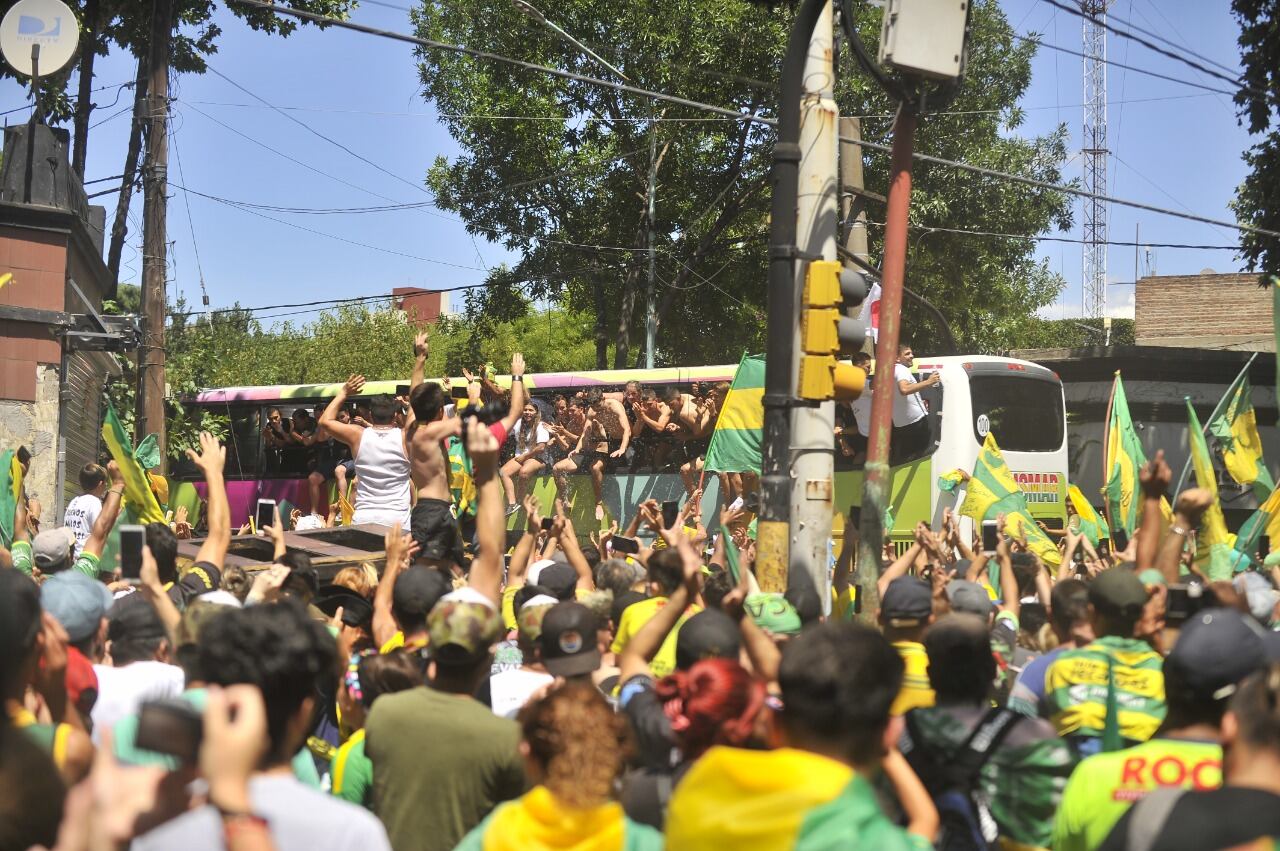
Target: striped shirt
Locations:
point(916, 693)
point(1076, 688)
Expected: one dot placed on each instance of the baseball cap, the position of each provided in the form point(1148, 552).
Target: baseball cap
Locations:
point(133, 618)
point(773, 613)
point(560, 579)
point(51, 549)
point(418, 589)
point(462, 631)
point(1260, 594)
point(75, 601)
point(529, 618)
point(356, 610)
point(1118, 591)
point(1216, 649)
point(535, 570)
point(197, 614)
point(906, 602)
point(81, 678)
point(710, 634)
point(568, 640)
point(969, 597)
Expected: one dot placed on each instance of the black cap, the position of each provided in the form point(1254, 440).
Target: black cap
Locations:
point(906, 602)
point(418, 589)
point(568, 640)
point(1216, 649)
point(356, 610)
point(133, 618)
point(560, 579)
point(707, 635)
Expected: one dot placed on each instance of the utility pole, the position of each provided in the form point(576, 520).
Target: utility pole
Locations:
point(853, 208)
point(149, 417)
point(651, 307)
point(817, 219)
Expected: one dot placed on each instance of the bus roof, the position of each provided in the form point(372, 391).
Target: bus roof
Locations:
point(534, 381)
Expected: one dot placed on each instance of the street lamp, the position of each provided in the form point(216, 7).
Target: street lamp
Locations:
point(535, 15)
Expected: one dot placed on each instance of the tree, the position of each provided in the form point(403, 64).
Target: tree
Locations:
point(1255, 203)
point(558, 170)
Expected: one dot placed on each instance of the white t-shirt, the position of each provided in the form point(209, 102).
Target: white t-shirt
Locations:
point(906, 409)
point(511, 690)
point(540, 435)
point(122, 691)
point(82, 512)
point(862, 411)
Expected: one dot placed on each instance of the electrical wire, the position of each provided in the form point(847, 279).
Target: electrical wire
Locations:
point(1036, 41)
point(480, 116)
point(1068, 239)
point(681, 101)
point(1183, 47)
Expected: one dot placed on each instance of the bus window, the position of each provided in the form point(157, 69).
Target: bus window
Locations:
point(1024, 412)
point(851, 452)
point(242, 442)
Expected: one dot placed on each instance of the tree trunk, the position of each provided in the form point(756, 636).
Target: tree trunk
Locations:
point(120, 225)
point(602, 332)
point(84, 100)
point(622, 344)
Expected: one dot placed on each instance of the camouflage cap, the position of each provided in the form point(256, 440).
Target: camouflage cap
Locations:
point(529, 619)
point(462, 631)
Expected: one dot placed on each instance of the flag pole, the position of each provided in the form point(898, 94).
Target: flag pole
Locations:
point(1186, 468)
point(1106, 451)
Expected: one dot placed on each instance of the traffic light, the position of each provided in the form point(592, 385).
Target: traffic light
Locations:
point(826, 332)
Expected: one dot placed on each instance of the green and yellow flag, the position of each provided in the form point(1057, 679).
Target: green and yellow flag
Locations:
point(1236, 429)
point(1092, 526)
point(1124, 457)
point(1214, 544)
point(139, 501)
point(1264, 521)
point(991, 490)
point(10, 495)
point(735, 443)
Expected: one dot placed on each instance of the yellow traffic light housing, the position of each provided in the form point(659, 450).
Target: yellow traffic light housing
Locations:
point(825, 332)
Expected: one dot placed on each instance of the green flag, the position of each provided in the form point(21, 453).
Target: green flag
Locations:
point(992, 490)
point(1124, 457)
point(735, 443)
point(1236, 428)
point(1214, 543)
point(10, 495)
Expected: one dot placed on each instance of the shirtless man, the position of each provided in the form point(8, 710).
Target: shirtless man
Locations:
point(382, 463)
point(604, 440)
point(651, 416)
point(433, 523)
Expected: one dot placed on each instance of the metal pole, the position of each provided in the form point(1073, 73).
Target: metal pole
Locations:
point(877, 480)
point(812, 427)
point(150, 419)
point(1217, 409)
point(651, 308)
point(31, 124)
point(772, 536)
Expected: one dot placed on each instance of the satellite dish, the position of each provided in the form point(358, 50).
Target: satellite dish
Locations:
point(48, 24)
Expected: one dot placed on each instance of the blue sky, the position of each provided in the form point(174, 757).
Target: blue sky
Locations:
point(1175, 147)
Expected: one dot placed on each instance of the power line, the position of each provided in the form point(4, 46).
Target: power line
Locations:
point(1178, 57)
point(757, 119)
point(1082, 55)
point(1131, 25)
point(466, 115)
point(1049, 238)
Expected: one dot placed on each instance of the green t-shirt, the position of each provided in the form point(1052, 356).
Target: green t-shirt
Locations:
point(1075, 688)
point(441, 763)
point(853, 821)
point(352, 772)
point(1105, 786)
point(86, 563)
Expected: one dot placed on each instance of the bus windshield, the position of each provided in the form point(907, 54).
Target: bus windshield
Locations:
point(1023, 411)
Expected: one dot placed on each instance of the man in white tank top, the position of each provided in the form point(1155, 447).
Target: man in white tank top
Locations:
point(383, 493)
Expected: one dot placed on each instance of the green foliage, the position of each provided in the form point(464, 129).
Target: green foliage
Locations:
point(1036, 333)
point(572, 172)
point(1256, 201)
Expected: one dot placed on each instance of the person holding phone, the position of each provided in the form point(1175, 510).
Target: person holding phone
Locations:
point(911, 434)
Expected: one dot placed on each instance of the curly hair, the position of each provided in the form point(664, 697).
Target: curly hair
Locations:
point(579, 741)
point(714, 702)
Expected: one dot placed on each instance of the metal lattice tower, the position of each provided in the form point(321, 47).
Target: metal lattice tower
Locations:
point(1093, 152)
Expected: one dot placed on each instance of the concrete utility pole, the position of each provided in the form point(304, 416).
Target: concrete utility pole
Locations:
point(853, 208)
point(149, 415)
point(812, 447)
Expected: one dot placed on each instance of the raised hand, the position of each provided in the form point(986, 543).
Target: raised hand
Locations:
point(212, 455)
point(1155, 475)
point(353, 385)
point(482, 448)
point(1193, 503)
point(420, 347)
point(517, 364)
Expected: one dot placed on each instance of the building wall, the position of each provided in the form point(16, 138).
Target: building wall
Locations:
point(422, 306)
point(34, 424)
point(1204, 311)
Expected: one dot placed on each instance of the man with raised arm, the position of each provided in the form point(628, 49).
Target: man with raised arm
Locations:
point(382, 463)
point(51, 550)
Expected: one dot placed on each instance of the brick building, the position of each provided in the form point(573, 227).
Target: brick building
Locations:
point(1209, 311)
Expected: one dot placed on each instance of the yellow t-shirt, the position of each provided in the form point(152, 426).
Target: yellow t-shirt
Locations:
point(636, 616)
point(396, 641)
point(916, 693)
point(844, 604)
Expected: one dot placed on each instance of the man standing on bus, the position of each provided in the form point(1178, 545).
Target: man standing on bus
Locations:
point(911, 433)
point(382, 466)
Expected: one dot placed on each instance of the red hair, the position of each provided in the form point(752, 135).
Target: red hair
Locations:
point(715, 702)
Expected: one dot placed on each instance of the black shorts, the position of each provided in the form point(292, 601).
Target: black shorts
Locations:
point(435, 530)
point(610, 463)
point(697, 448)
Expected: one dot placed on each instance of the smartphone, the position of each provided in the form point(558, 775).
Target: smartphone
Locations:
point(670, 513)
point(132, 539)
point(990, 536)
point(625, 545)
point(173, 727)
point(402, 389)
point(1121, 540)
point(1104, 549)
point(265, 515)
point(1180, 604)
point(1264, 547)
point(459, 391)
point(546, 523)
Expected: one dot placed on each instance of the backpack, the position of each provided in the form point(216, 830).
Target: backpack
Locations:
point(965, 820)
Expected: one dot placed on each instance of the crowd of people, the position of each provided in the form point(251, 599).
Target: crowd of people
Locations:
point(620, 688)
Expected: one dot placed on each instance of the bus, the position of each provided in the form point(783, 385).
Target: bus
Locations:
point(1021, 402)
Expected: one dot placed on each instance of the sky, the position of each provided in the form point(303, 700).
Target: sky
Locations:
point(1173, 146)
